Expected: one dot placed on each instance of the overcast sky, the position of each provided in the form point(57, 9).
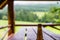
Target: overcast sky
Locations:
point(35, 2)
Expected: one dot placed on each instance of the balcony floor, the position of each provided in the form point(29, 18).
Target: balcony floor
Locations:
point(31, 34)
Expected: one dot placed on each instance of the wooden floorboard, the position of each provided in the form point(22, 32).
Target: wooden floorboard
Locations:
point(19, 35)
point(31, 34)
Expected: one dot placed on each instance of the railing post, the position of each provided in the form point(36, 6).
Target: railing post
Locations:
point(39, 33)
point(11, 16)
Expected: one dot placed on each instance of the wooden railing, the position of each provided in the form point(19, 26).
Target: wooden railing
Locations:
point(2, 27)
point(37, 24)
point(39, 32)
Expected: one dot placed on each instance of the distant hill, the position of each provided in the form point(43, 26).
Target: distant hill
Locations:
point(34, 7)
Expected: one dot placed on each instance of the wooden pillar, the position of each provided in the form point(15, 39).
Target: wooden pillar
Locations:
point(11, 16)
point(39, 33)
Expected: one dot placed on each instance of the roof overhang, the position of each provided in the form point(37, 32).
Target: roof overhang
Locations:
point(3, 3)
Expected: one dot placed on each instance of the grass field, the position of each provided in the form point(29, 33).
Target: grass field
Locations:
point(54, 30)
point(40, 14)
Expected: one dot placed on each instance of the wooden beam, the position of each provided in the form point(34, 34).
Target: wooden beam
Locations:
point(11, 16)
point(44, 25)
point(2, 27)
point(3, 4)
point(39, 33)
point(26, 24)
point(36, 0)
point(50, 24)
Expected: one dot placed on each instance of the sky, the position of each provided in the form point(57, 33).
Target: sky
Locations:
point(35, 2)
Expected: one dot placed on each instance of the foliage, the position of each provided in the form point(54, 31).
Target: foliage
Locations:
point(52, 16)
point(1, 15)
point(24, 15)
point(47, 18)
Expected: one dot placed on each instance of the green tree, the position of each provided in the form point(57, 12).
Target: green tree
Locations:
point(26, 15)
point(1, 15)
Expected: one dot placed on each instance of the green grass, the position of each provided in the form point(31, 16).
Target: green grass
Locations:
point(40, 14)
point(54, 30)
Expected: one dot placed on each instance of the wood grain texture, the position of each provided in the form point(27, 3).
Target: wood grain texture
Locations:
point(11, 16)
point(36, 0)
point(3, 4)
point(39, 32)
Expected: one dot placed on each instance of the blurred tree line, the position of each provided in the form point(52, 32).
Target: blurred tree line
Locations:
point(52, 16)
point(23, 15)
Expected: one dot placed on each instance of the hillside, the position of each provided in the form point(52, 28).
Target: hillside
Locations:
point(34, 7)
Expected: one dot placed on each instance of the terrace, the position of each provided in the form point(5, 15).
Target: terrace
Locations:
point(28, 31)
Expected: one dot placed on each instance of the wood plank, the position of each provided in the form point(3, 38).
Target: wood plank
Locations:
point(31, 35)
point(47, 37)
point(36, 0)
point(19, 35)
point(46, 24)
